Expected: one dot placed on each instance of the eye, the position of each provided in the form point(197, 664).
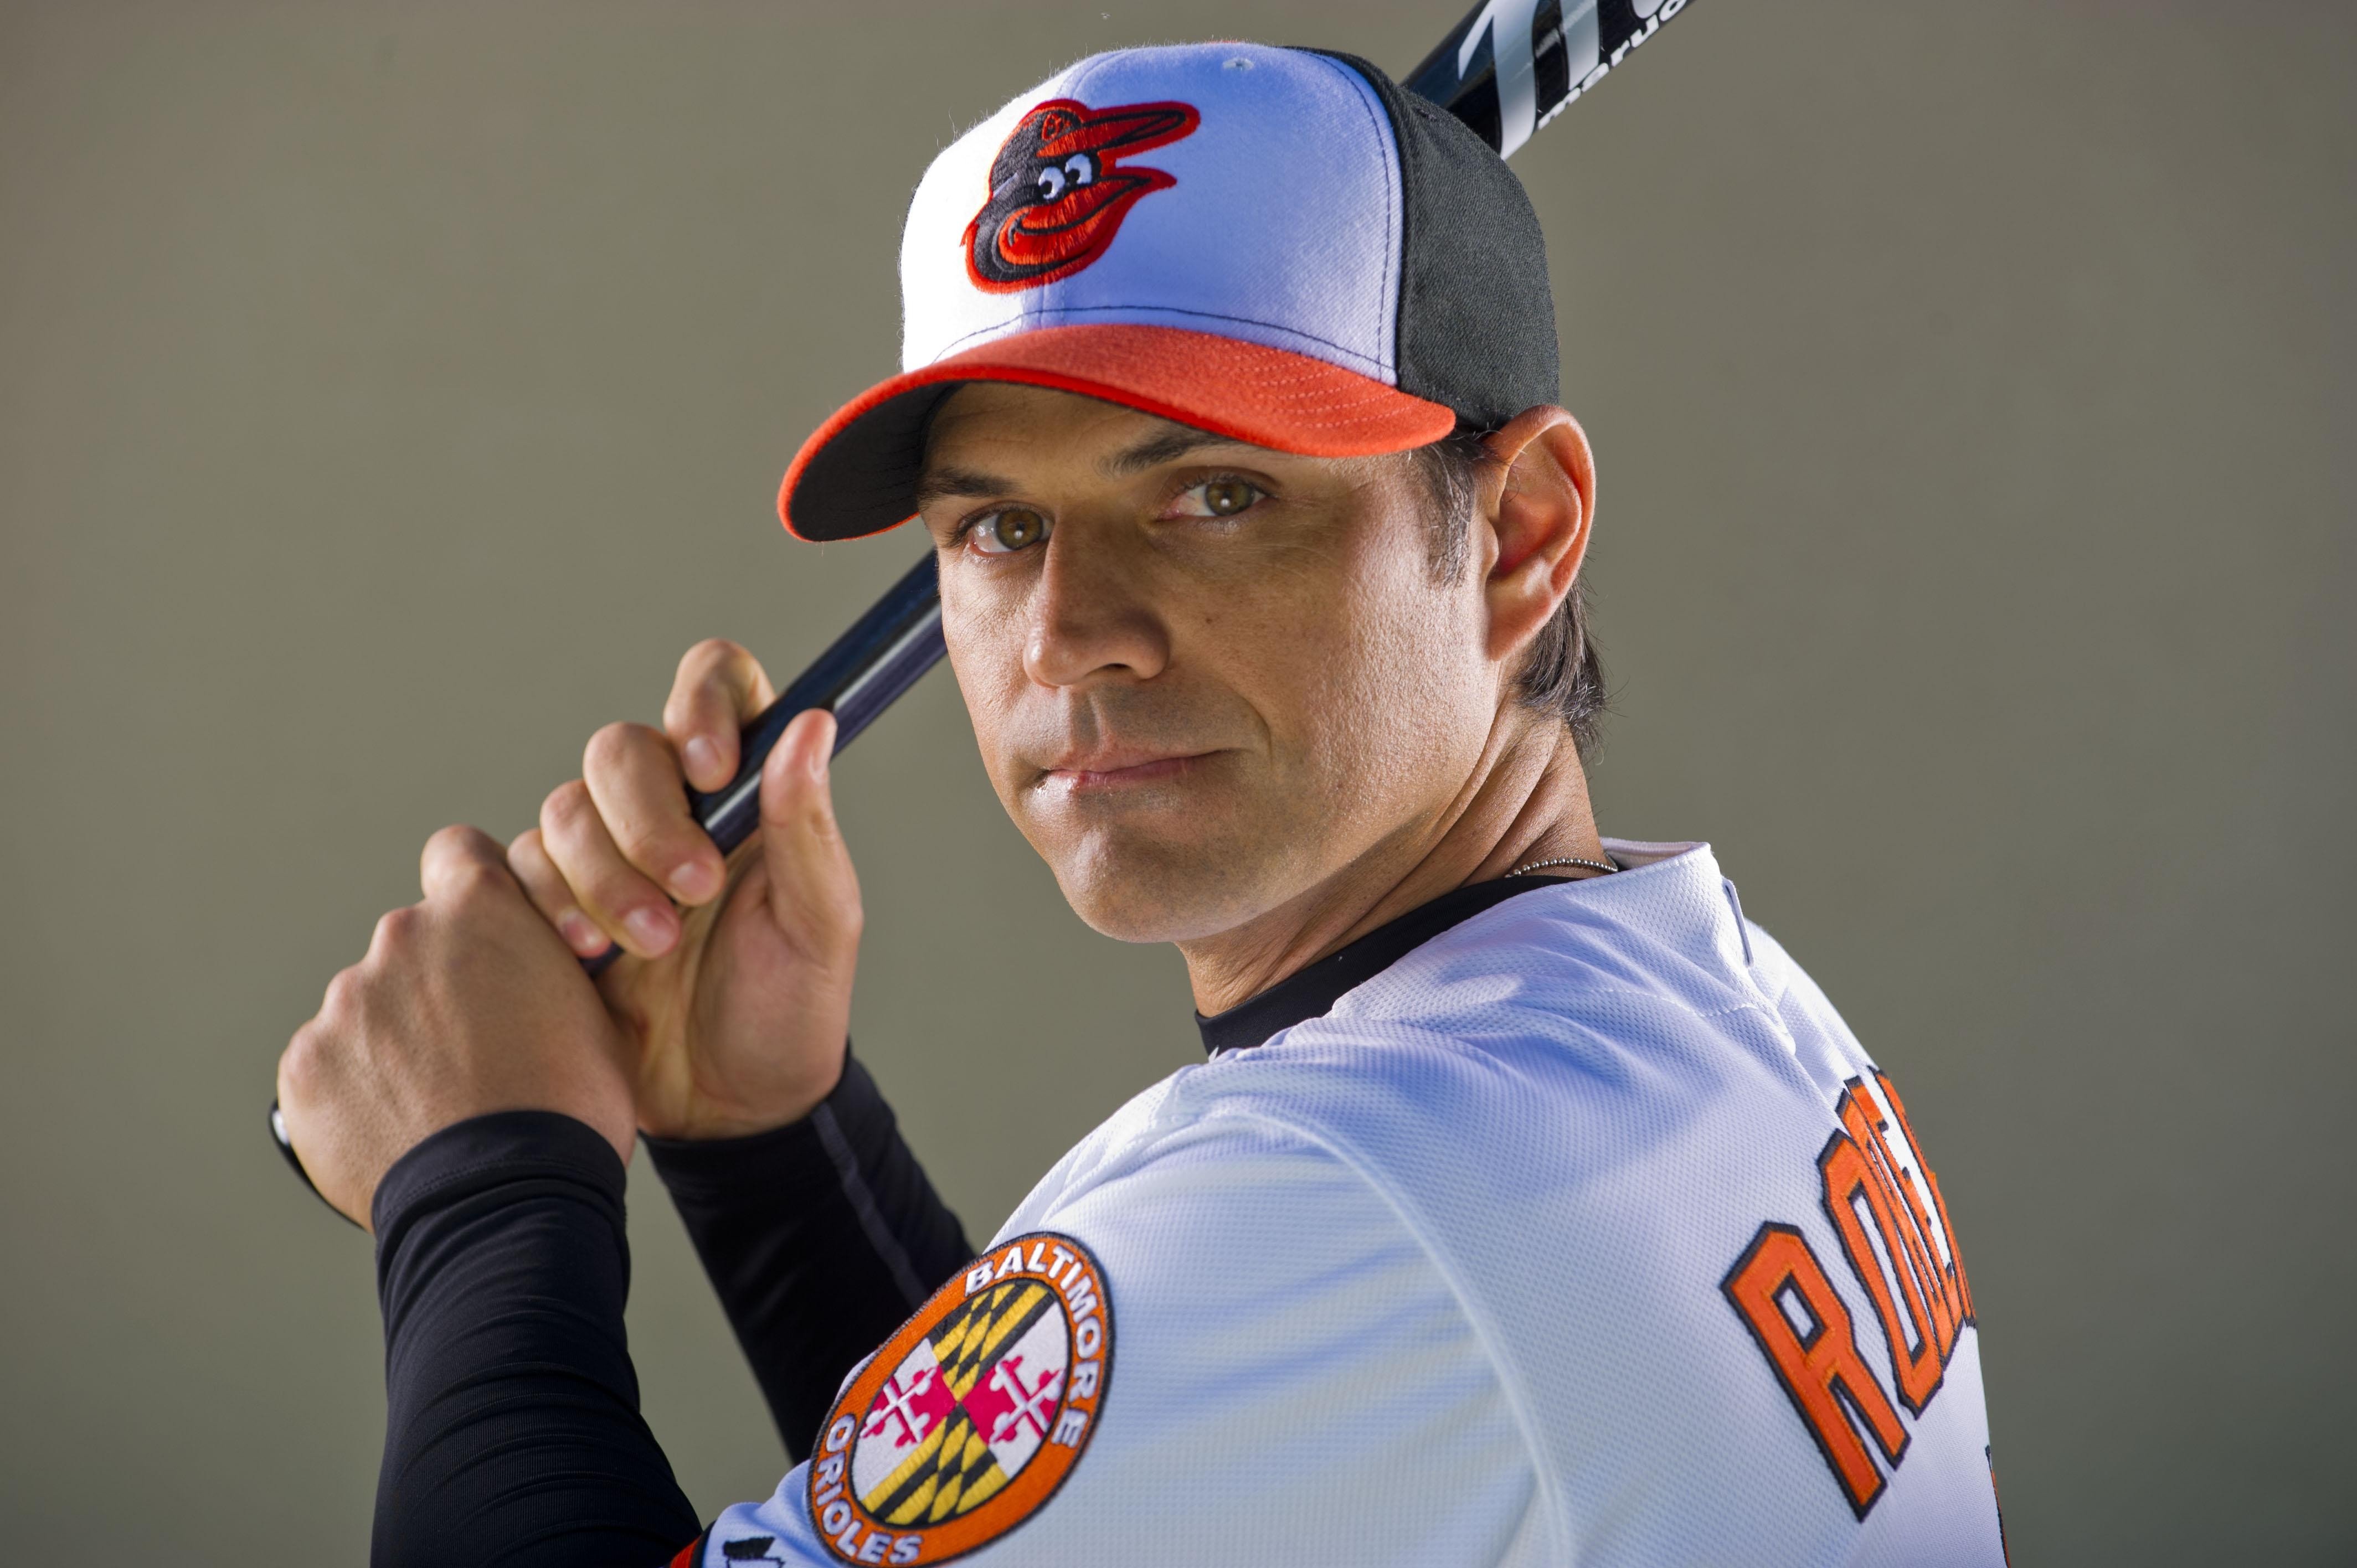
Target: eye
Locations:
point(1008, 529)
point(1052, 183)
point(1082, 168)
point(1217, 497)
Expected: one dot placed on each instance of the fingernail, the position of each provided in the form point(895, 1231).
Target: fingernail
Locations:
point(703, 756)
point(651, 927)
point(581, 933)
point(695, 881)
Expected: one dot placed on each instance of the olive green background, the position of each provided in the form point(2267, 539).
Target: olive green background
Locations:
point(389, 393)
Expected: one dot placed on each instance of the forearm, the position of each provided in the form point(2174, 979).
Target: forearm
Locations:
point(819, 1237)
point(513, 1427)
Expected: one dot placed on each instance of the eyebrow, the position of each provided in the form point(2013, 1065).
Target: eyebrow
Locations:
point(945, 484)
point(1166, 446)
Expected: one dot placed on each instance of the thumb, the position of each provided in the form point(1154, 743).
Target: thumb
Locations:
point(814, 892)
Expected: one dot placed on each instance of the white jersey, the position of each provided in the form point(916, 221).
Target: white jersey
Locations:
point(1584, 1233)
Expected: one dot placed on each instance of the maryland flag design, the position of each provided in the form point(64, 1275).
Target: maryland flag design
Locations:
point(964, 1424)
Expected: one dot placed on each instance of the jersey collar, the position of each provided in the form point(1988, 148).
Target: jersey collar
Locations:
point(1311, 992)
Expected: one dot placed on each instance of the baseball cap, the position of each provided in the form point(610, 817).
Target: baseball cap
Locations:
point(1278, 245)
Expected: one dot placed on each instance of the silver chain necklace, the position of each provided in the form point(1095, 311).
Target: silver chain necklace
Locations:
point(1604, 866)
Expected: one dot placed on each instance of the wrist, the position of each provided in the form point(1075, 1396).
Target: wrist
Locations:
point(474, 1158)
point(794, 1157)
point(700, 1116)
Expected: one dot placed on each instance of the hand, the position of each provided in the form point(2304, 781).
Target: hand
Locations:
point(466, 1004)
point(739, 1013)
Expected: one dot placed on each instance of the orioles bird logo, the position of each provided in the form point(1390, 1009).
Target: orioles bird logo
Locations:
point(1058, 193)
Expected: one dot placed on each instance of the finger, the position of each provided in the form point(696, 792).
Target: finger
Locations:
point(626, 905)
point(813, 891)
point(546, 888)
point(455, 861)
point(633, 776)
point(719, 689)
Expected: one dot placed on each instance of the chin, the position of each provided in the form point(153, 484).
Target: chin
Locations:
point(1137, 891)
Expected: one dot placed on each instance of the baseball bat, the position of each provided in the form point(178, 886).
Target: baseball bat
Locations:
point(1505, 70)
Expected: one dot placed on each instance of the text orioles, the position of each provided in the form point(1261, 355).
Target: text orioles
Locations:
point(1893, 1225)
point(963, 1425)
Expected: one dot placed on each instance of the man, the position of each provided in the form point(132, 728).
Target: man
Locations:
point(1534, 1205)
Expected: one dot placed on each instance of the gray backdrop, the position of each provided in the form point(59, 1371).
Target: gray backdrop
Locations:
point(389, 393)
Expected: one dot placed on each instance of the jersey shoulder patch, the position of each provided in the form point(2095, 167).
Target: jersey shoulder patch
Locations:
point(967, 1422)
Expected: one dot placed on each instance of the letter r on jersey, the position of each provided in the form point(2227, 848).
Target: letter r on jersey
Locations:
point(1817, 1362)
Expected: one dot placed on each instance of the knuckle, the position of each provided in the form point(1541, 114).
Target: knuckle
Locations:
point(299, 1058)
point(708, 658)
point(342, 998)
point(567, 807)
point(298, 1064)
point(471, 880)
point(455, 843)
point(717, 677)
point(644, 839)
point(536, 873)
point(395, 928)
point(613, 746)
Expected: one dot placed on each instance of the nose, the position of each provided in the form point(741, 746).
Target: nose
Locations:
point(1091, 613)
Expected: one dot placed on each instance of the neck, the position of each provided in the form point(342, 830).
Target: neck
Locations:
point(1526, 801)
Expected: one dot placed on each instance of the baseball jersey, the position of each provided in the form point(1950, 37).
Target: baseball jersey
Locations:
point(1585, 1232)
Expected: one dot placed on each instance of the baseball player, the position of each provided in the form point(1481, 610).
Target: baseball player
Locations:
point(1531, 1206)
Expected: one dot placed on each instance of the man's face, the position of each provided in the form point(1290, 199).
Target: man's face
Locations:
point(1206, 677)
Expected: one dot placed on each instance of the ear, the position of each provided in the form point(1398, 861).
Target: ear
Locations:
point(1538, 496)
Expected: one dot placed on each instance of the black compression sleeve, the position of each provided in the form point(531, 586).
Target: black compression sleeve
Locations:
point(512, 1433)
point(821, 1238)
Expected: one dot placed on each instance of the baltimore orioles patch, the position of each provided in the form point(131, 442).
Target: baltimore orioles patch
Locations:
point(1058, 191)
point(967, 1422)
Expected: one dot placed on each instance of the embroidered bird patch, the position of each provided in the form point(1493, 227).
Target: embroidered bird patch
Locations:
point(1059, 191)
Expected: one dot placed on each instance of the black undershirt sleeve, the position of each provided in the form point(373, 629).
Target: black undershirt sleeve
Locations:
point(820, 1236)
point(512, 1433)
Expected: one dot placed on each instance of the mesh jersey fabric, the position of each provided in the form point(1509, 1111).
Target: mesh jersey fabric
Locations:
point(1438, 1277)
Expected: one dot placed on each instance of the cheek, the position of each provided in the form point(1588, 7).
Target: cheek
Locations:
point(1384, 678)
point(1415, 724)
point(985, 655)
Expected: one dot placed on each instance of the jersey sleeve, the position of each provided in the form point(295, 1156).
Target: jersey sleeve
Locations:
point(1277, 1370)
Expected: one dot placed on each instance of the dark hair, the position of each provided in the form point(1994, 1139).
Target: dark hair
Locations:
point(1561, 673)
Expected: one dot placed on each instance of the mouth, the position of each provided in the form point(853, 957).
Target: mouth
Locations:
point(1111, 772)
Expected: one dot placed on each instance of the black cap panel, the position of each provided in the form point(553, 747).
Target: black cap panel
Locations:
point(1476, 312)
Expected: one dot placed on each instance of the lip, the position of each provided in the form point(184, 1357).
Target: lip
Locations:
point(1108, 772)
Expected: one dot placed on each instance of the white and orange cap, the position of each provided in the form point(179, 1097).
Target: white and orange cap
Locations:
point(1274, 244)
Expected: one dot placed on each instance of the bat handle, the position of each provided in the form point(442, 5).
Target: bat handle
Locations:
point(861, 673)
point(886, 651)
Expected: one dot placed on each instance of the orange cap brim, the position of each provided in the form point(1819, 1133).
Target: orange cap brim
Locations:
point(857, 473)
